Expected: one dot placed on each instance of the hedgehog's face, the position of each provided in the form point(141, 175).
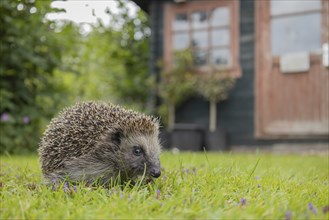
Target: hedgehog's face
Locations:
point(141, 153)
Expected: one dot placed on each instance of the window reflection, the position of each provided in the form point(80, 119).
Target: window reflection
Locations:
point(220, 37)
point(220, 16)
point(180, 22)
point(200, 39)
point(180, 41)
point(200, 58)
point(289, 34)
point(220, 57)
point(199, 19)
point(292, 6)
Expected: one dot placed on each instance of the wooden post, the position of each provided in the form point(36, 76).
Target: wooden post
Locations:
point(171, 116)
point(212, 116)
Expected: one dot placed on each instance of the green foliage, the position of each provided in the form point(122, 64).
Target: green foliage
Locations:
point(86, 66)
point(109, 63)
point(224, 186)
point(178, 83)
point(133, 83)
point(46, 65)
point(29, 54)
point(215, 85)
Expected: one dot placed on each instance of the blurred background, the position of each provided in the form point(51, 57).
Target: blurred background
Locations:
point(220, 74)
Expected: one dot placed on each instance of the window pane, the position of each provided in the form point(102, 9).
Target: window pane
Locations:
point(180, 22)
point(220, 16)
point(291, 6)
point(220, 37)
point(199, 19)
point(220, 57)
point(200, 39)
point(180, 41)
point(200, 58)
point(300, 33)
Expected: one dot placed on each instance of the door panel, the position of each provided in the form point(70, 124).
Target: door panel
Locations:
point(294, 104)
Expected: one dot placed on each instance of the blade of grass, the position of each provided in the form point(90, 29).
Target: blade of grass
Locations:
point(142, 179)
point(253, 170)
point(205, 153)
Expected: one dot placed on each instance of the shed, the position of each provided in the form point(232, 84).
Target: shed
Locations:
point(277, 50)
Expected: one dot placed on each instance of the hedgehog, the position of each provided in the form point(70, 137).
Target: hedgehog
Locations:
point(98, 141)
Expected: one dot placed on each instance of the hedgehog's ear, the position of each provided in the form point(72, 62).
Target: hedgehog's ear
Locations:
point(116, 137)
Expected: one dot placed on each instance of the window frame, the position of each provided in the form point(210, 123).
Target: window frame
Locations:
point(171, 9)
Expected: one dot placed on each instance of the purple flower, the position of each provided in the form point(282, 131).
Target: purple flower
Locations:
point(75, 188)
point(5, 117)
point(312, 208)
point(258, 186)
point(26, 119)
point(66, 187)
point(158, 194)
point(164, 177)
point(187, 170)
point(243, 201)
point(288, 215)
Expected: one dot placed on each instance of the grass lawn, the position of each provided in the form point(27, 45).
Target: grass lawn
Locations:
point(193, 185)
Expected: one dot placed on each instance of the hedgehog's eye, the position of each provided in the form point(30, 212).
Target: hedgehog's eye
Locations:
point(138, 151)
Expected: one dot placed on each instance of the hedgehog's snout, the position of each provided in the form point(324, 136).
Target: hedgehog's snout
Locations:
point(155, 172)
point(155, 169)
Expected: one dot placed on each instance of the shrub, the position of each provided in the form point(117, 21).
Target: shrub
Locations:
point(214, 86)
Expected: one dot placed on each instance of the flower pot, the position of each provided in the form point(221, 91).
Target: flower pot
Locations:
point(187, 137)
point(217, 140)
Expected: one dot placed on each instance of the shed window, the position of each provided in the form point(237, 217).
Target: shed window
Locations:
point(208, 28)
point(180, 22)
point(220, 16)
point(180, 41)
point(199, 19)
point(288, 22)
point(207, 33)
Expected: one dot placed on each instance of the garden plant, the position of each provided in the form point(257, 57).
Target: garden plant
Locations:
point(177, 84)
point(214, 86)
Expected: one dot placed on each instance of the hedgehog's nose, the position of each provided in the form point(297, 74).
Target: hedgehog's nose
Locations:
point(155, 172)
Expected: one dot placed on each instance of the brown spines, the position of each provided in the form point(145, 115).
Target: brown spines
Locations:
point(77, 130)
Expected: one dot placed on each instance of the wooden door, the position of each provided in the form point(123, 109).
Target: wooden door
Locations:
point(292, 79)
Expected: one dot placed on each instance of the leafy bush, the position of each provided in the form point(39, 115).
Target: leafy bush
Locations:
point(46, 65)
point(214, 86)
point(177, 84)
point(28, 57)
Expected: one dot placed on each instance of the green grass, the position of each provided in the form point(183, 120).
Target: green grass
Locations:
point(193, 185)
